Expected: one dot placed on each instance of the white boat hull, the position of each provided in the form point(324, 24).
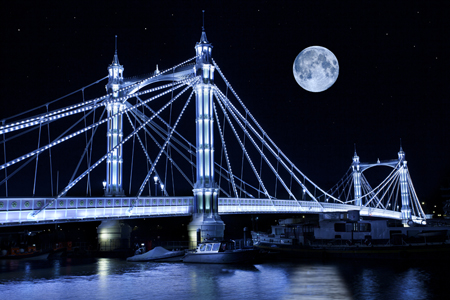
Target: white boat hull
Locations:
point(226, 257)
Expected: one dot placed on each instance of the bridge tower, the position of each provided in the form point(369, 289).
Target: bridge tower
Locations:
point(206, 219)
point(406, 208)
point(356, 179)
point(115, 128)
point(114, 234)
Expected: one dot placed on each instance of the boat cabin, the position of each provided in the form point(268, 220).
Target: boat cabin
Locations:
point(214, 247)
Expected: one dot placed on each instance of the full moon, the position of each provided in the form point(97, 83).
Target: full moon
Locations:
point(316, 69)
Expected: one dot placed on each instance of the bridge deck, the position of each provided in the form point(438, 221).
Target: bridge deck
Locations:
point(16, 211)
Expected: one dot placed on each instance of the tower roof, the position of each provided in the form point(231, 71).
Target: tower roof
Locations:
point(203, 39)
point(115, 61)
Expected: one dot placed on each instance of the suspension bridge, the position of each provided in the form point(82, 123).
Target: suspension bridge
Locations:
point(161, 159)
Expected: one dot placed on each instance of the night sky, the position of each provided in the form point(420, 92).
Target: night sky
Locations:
point(392, 84)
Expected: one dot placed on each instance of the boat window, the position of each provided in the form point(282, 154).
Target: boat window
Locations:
point(364, 227)
point(208, 247)
point(279, 231)
point(339, 227)
point(202, 247)
point(216, 247)
point(308, 228)
point(394, 223)
point(349, 227)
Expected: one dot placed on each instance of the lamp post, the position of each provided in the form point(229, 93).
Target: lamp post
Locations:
point(162, 189)
point(104, 187)
point(156, 185)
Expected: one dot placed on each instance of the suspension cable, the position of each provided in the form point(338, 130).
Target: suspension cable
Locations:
point(232, 112)
point(50, 157)
point(165, 144)
point(59, 140)
point(51, 102)
point(269, 140)
point(4, 159)
point(242, 147)
point(224, 149)
point(37, 160)
point(75, 181)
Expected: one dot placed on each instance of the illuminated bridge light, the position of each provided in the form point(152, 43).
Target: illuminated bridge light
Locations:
point(233, 114)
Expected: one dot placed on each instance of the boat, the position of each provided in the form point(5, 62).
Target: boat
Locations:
point(158, 254)
point(346, 235)
point(215, 252)
point(30, 252)
point(20, 253)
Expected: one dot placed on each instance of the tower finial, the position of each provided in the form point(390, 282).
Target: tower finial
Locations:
point(354, 145)
point(401, 153)
point(115, 61)
point(203, 26)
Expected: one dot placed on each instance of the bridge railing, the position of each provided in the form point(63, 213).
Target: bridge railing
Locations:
point(245, 205)
point(17, 210)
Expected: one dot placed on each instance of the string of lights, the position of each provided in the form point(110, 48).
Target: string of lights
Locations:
point(228, 105)
point(41, 149)
point(75, 181)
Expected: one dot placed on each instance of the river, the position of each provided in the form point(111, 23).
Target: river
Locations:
point(108, 279)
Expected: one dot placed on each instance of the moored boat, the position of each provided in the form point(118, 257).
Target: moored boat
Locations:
point(214, 252)
point(346, 235)
point(158, 254)
point(20, 253)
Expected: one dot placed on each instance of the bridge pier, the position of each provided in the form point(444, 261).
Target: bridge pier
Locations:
point(113, 235)
point(202, 228)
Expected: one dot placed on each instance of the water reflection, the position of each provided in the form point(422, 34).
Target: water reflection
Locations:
point(56, 269)
point(317, 282)
point(117, 279)
point(369, 285)
point(222, 281)
point(388, 280)
point(411, 285)
point(103, 265)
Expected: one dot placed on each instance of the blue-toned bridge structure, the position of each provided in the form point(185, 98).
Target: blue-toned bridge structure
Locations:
point(161, 161)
